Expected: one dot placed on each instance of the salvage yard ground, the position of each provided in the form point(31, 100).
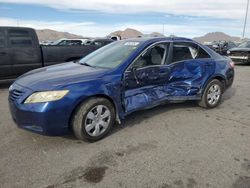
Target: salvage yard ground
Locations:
point(176, 145)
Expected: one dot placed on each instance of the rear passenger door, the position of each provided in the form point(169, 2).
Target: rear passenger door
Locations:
point(5, 63)
point(190, 67)
point(24, 52)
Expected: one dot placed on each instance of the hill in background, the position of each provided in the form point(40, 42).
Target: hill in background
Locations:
point(52, 35)
point(127, 33)
point(215, 36)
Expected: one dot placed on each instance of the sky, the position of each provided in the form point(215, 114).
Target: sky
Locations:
point(98, 18)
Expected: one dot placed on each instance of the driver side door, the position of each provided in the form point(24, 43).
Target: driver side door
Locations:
point(144, 80)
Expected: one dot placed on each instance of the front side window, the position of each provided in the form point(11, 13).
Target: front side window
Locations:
point(187, 51)
point(153, 56)
point(112, 55)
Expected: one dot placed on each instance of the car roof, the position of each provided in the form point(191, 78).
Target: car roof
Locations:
point(159, 39)
point(151, 40)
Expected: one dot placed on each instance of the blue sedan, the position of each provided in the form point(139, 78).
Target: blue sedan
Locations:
point(89, 95)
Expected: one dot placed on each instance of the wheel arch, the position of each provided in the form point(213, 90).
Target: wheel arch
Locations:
point(219, 77)
point(90, 97)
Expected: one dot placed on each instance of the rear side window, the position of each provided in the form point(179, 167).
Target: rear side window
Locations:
point(202, 54)
point(21, 42)
point(2, 39)
point(187, 51)
point(19, 38)
point(1, 42)
point(18, 32)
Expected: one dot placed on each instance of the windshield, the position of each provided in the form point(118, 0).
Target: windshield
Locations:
point(110, 56)
point(245, 45)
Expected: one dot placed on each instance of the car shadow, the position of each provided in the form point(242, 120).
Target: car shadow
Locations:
point(229, 94)
point(242, 65)
point(5, 84)
point(138, 117)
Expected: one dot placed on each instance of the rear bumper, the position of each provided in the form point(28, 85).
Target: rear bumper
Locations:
point(230, 78)
point(40, 118)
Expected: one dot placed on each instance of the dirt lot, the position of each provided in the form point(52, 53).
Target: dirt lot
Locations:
point(177, 146)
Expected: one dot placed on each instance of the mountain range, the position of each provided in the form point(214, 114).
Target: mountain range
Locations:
point(51, 35)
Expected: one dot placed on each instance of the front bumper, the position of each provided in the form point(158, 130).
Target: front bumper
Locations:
point(31, 117)
point(51, 118)
point(240, 59)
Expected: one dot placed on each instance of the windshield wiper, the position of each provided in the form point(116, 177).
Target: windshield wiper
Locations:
point(86, 64)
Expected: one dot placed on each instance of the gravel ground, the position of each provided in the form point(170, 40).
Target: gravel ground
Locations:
point(171, 146)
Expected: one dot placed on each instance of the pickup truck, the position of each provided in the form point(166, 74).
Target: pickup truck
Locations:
point(241, 54)
point(21, 52)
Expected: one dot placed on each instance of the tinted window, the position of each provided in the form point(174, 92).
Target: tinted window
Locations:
point(187, 51)
point(18, 32)
point(202, 54)
point(1, 39)
point(20, 41)
point(153, 56)
point(1, 42)
point(75, 42)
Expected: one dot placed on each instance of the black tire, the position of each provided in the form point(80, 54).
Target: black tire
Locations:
point(79, 119)
point(204, 100)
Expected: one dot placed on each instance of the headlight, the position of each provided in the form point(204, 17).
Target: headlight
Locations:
point(46, 96)
point(228, 52)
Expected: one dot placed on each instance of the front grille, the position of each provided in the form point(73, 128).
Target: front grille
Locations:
point(16, 94)
point(238, 54)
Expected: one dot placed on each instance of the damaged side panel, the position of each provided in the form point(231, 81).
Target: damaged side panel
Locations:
point(154, 85)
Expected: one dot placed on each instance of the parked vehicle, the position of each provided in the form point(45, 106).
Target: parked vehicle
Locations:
point(89, 95)
point(99, 41)
point(240, 54)
point(70, 42)
point(46, 42)
point(20, 52)
point(221, 47)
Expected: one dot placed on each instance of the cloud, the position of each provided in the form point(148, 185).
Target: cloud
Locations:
point(92, 29)
point(213, 8)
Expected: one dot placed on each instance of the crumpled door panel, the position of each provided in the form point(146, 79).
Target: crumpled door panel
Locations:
point(179, 81)
point(143, 97)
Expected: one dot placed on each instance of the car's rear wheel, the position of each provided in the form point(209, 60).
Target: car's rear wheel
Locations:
point(93, 119)
point(212, 94)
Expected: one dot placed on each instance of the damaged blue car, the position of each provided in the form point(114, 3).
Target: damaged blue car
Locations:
point(89, 95)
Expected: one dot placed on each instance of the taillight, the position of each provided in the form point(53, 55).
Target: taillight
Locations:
point(231, 64)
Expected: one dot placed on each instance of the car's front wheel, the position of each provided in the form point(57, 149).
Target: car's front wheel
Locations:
point(93, 119)
point(212, 94)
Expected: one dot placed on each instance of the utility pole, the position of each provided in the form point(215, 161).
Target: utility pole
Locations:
point(245, 22)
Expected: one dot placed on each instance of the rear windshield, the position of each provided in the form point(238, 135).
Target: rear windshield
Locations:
point(112, 55)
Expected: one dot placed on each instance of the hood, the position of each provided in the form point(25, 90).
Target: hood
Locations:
point(240, 50)
point(58, 76)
